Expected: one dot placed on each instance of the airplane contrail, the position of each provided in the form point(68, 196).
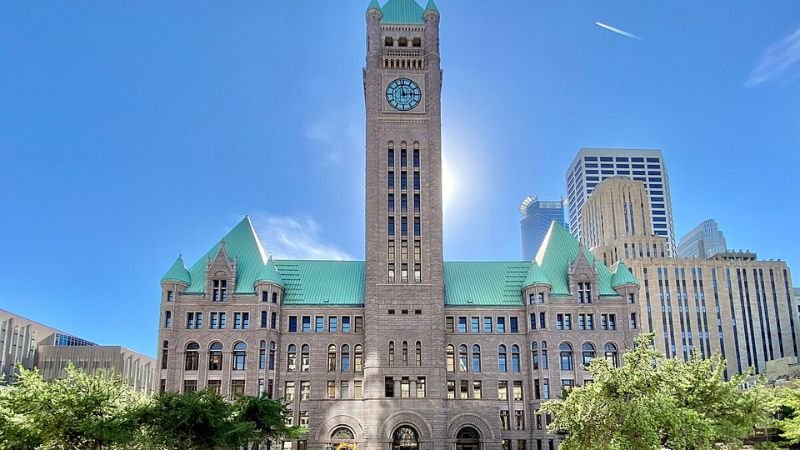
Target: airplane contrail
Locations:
point(618, 31)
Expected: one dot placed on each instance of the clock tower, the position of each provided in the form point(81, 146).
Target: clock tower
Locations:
point(404, 290)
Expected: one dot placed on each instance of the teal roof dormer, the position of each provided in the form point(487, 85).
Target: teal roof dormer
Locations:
point(403, 12)
point(431, 7)
point(622, 276)
point(269, 274)
point(178, 273)
point(536, 276)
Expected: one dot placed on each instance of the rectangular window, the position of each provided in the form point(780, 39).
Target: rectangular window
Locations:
point(476, 389)
point(416, 204)
point(264, 319)
point(421, 390)
point(416, 158)
point(590, 322)
point(189, 386)
point(464, 394)
point(214, 321)
point(405, 388)
point(417, 227)
point(403, 203)
point(390, 225)
point(404, 273)
point(417, 273)
point(219, 290)
point(567, 321)
point(416, 181)
point(190, 320)
point(288, 393)
point(303, 422)
point(265, 296)
point(391, 273)
point(333, 324)
point(513, 324)
point(167, 319)
point(357, 389)
point(319, 324)
point(222, 317)
point(390, 252)
point(390, 158)
point(344, 389)
point(475, 325)
point(505, 424)
point(451, 389)
point(502, 390)
point(501, 324)
point(390, 202)
point(519, 420)
point(518, 391)
point(292, 324)
point(214, 386)
point(390, 179)
point(404, 226)
point(331, 390)
point(305, 390)
point(345, 324)
point(273, 323)
point(403, 158)
point(359, 324)
point(462, 324)
point(487, 324)
point(404, 250)
point(449, 324)
point(388, 387)
point(170, 296)
point(403, 180)
point(274, 297)
point(237, 388)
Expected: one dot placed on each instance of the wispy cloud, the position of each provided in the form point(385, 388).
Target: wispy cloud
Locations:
point(618, 31)
point(295, 237)
point(337, 132)
point(779, 63)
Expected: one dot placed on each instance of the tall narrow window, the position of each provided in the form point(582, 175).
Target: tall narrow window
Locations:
point(462, 358)
point(404, 273)
point(192, 356)
point(403, 158)
point(220, 290)
point(417, 273)
point(476, 358)
point(403, 203)
point(611, 354)
point(391, 353)
point(451, 358)
point(405, 353)
point(502, 359)
point(418, 354)
point(331, 358)
point(390, 250)
point(390, 178)
point(291, 358)
point(358, 358)
point(305, 358)
point(416, 203)
point(391, 273)
point(390, 201)
point(345, 358)
point(566, 357)
point(239, 355)
point(167, 319)
point(588, 353)
point(416, 181)
point(416, 158)
point(403, 180)
point(390, 226)
point(404, 250)
point(404, 226)
point(535, 355)
point(417, 227)
point(271, 365)
point(262, 355)
point(417, 251)
point(515, 365)
point(390, 161)
point(215, 356)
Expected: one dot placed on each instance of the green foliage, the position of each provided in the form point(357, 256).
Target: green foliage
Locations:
point(83, 412)
point(788, 401)
point(653, 402)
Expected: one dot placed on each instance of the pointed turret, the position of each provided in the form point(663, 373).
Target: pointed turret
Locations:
point(269, 274)
point(374, 5)
point(622, 276)
point(431, 8)
point(536, 276)
point(177, 273)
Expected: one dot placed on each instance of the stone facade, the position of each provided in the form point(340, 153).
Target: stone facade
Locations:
point(731, 303)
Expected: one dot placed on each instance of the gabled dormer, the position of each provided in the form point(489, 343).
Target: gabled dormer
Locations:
point(583, 279)
point(220, 275)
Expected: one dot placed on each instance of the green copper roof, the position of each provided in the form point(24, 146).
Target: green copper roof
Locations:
point(536, 276)
point(269, 273)
point(622, 275)
point(333, 283)
point(374, 5)
point(431, 6)
point(178, 273)
point(484, 283)
point(244, 248)
point(560, 249)
point(402, 12)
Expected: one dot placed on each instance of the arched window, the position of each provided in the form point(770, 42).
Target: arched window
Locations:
point(405, 353)
point(239, 355)
point(515, 365)
point(476, 358)
point(543, 359)
point(192, 356)
point(451, 358)
point(588, 353)
point(345, 358)
point(305, 358)
point(272, 355)
point(467, 438)
point(405, 438)
point(358, 358)
point(215, 356)
point(262, 355)
point(391, 353)
point(342, 434)
point(502, 359)
point(611, 354)
point(462, 358)
point(331, 358)
point(566, 356)
point(419, 354)
point(291, 358)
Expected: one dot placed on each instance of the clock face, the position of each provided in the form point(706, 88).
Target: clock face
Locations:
point(403, 94)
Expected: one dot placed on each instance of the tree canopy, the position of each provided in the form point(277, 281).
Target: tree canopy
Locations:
point(652, 402)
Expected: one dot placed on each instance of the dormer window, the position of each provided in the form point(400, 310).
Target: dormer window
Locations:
point(220, 292)
point(584, 292)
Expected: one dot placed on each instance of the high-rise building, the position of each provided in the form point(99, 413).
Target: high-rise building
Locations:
point(536, 218)
point(593, 165)
point(703, 241)
point(402, 350)
point(31, 344)
point(731, 303)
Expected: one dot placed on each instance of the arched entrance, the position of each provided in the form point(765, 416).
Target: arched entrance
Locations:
point(405, 438)
point(468, 438)
point(342, 438)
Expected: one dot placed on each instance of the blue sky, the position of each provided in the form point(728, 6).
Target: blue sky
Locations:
point(134, 131)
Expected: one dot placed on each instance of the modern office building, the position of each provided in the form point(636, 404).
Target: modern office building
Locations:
point(703, 241)
point(593, 165)
point(402, 350)
point(536, 218)
point(731, 303)
point(23, 341)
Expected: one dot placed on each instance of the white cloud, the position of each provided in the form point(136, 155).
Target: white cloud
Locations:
point(780, 62)
point(618, 31)
point(294, 237)
point(337, 133)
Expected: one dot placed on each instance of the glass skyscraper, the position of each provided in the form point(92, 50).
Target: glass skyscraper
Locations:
point(536, 218)
point(704, 241)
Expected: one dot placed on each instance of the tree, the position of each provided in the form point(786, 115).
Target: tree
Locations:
point(652, 401)
point(77, 412)
point(788, 401)
point(203, 419)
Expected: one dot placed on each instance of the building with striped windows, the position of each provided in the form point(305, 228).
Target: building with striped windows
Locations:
point(731, 303)
point(403, 350)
